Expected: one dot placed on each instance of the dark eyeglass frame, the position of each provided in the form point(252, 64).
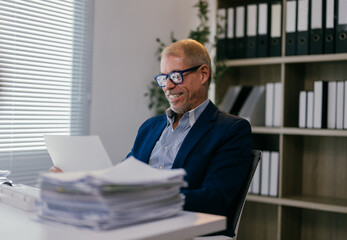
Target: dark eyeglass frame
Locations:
point(175, 72)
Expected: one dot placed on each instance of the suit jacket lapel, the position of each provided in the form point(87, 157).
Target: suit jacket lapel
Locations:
point(201, 126)
point(155, 135)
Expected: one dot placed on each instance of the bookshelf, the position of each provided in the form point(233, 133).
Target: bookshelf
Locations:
point(312, 196)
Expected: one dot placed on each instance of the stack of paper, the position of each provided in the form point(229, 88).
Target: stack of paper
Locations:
point(127, 193)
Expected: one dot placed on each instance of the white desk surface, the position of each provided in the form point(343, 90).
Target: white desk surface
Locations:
point(16, 224)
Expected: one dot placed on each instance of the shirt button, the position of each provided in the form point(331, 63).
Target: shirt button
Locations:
point(160, 167)
point(166, 147)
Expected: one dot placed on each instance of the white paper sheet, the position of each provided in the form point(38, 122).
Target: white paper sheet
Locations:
point(131, 171)
point(77, 153)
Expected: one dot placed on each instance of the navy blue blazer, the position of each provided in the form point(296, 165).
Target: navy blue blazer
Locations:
point(216, 154)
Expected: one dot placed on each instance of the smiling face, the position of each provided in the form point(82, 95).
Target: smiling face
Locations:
point(192, 91)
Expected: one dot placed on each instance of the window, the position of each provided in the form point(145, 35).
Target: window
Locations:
point(45, 77)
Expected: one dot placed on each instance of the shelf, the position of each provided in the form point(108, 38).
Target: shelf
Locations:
point(300, 131)
point(321, 204)
point(286, 59)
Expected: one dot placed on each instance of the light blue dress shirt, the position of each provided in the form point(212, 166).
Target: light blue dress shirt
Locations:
point(170, 141)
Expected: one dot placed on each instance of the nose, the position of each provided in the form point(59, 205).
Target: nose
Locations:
point(169, 84)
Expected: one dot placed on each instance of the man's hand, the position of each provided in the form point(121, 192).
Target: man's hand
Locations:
point(55, 170)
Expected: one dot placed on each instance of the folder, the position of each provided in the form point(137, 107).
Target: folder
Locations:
point(316, 27)
point(240, 32)
point(329, 26)
point(291, 27)
point(320, 111)
point(230, 42)
point(340, 95)
point(256, 180)
point(274, 172)
point(276, 29)
point(269, 104)
point(302, 109)
point(309, 110)
point(277, 112)
point(332, 104)
point(302, 34)
point(251, 31)
point(262, 38)
point(221, 36)
point(265, 173)
point(341, 26)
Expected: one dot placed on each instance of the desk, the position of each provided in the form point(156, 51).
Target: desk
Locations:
point(16, 224)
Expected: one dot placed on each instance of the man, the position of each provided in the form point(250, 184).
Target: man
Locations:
point(213, 147)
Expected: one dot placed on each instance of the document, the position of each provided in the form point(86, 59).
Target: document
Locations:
point(77, 153)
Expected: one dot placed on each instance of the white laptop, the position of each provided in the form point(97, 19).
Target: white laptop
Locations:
point(77, 153)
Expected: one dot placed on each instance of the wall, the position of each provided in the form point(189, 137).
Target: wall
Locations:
point(124, 63)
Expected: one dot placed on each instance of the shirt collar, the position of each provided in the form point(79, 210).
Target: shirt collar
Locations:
point(192, 114)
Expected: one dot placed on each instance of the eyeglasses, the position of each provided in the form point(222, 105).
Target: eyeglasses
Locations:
point(176, 77)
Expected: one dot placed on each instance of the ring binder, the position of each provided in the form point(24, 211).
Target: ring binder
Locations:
point(302, 27)
point(291, 28)
point(262, 34)
point(251, 30)
point(316, 30)
point(276, 28)
point(341, 26)
point(230, 42)
point(240, 32)
point(329, 26)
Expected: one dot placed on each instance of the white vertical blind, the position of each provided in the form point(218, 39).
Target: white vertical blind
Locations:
point(45, 70)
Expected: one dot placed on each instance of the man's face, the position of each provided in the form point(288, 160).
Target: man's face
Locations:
point(187, 95)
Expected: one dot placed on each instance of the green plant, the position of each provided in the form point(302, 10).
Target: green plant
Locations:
point(157, 99)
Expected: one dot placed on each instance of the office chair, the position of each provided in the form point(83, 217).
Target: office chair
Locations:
point(237, 207)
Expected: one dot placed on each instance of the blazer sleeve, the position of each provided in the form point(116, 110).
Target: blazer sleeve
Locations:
point(226, 171)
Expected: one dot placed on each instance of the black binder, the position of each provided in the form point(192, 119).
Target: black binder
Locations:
point(251, 30)
point(221, 34)
point(302, 34)
point(329, 26)
point(263, 32)
point(316, 27)
point(291, 11)
point(341, 26)
point(276, 28)
point(240, 28)
point(230, 42)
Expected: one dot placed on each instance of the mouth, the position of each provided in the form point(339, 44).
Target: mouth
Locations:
point(172, 97)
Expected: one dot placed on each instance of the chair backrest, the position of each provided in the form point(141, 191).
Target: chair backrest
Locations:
point(240, 202)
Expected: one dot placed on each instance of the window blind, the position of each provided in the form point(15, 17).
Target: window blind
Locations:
point(45, 77)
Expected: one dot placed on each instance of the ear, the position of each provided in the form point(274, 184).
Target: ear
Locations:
point(205, 73)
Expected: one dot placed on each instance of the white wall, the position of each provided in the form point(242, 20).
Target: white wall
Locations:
point(124, 63)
